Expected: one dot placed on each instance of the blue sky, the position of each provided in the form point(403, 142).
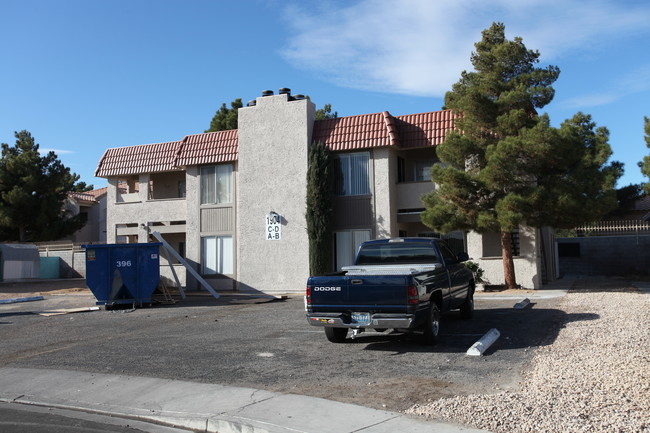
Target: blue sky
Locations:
point(86, 75)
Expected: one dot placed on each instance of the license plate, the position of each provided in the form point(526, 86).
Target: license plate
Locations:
point(361, 318)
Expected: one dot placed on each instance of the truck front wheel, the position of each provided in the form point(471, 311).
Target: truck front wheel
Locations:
point(336, 335)
point(467, 307)
point(432, 326)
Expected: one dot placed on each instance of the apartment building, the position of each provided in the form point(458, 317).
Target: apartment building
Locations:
point(233, 202)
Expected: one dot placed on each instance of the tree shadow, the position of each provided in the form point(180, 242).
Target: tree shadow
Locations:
point(519, 329)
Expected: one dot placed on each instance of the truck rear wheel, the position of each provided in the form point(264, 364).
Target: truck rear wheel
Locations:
point(432, 326)
point(336, 335)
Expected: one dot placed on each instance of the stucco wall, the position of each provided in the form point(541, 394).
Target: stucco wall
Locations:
point(192, 222)
point(527, 263)
point(274, 137)
point(384, 191)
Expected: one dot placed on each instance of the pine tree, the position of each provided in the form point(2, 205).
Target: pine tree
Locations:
point(319, 209)
point(32, 192)
point(645, 164)
point(504, 165)
point(326, 113)
point(225, 118)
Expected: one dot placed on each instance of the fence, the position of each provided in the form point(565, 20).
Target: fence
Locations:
point(613, 228)
point(607, 248)
point(72, 257)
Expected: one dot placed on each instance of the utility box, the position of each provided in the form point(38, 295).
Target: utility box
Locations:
point(50, 268)
point(123, 273)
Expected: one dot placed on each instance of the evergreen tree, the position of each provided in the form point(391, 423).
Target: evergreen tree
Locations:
point(225, 118)
point(319, 209)
point(32, 193)
point(504, 165)
point(326, 113)
point(645, 164)
point(82, 187)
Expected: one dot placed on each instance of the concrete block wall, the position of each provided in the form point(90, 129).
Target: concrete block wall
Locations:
point(72, 264)
point(605, 255)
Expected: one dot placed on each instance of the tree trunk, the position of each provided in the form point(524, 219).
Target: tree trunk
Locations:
point(508, 263)
point(21, 234)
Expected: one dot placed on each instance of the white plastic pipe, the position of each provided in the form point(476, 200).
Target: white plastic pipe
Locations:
point(522, 304)
point(484, 343)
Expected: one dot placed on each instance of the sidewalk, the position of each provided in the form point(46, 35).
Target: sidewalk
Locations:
point(554, 289)
point(204, 407)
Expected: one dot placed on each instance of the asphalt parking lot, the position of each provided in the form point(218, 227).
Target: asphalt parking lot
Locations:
point(236, 341)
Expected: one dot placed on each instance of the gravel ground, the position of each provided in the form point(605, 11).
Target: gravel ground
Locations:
point(595, 377)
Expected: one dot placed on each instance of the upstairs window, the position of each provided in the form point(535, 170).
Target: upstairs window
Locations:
point(352, 174)
point(423, 171)
point(216, 184)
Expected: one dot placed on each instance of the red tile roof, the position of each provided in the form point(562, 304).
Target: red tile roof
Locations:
point(340, 134)
point(146, 158)
point(424, 129)
point(356, 132)
point(208, 148)
point(197, 149)
point(88, 196)
point(82, 197)
point(381, 129)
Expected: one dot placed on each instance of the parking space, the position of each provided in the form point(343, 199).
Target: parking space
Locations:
point(271, 346)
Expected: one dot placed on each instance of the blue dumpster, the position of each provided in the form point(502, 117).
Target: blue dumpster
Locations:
point(123, 273)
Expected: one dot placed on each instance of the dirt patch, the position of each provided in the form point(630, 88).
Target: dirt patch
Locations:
point(42, 288)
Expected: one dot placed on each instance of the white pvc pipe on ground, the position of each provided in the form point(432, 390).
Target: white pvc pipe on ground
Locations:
point(484, 343)
point(522, 304)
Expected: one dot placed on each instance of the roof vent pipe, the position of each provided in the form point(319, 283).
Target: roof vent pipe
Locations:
point(299, 96)
point(251, 103)
point(267, 92)
point(284, 91)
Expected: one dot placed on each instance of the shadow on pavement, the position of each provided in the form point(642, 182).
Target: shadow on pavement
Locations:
point(519, 329)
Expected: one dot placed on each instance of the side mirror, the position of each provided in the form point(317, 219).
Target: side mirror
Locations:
point(462, 256)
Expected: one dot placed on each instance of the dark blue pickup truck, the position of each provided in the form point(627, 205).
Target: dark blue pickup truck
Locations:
point(403, 284)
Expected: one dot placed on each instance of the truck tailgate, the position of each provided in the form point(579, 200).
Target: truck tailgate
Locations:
point(382, 293)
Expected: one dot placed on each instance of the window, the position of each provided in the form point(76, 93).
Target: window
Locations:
point(181, 189)
point(347, 245)
point(401, 169)
point(216, 184)
point(352, 174)
point(398, 253)
point(447, 254)
point(216, 255)
point(492, 244)
point(423, 171)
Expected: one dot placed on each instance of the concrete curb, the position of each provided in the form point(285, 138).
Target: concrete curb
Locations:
point(16, 300)
point(205, 407)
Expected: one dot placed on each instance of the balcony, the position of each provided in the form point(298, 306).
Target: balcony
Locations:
point(409, 193)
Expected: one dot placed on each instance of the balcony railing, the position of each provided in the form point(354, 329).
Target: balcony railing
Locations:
point(409, 193)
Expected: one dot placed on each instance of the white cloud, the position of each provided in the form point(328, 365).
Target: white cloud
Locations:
point(44, 150)
point(635, 81)
point(420, 47)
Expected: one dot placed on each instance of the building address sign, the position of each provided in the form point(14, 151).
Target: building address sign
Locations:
point(273, 227)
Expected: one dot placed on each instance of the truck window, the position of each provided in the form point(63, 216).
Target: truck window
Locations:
point(394, 253)
point(449, 257)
